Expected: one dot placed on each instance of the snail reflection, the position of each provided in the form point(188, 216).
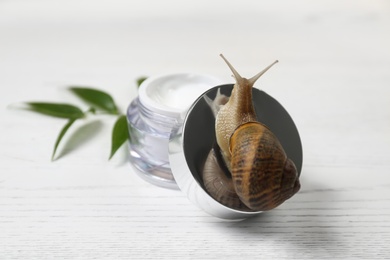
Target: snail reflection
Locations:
point(247, 168)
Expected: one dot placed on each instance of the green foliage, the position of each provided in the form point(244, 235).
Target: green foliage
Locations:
point(96, 98)
point(140, 80)
point(99, 101)
point(55, 109)
point(59, 138)
point(120, 134)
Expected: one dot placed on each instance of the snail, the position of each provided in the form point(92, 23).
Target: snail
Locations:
point(247, 168)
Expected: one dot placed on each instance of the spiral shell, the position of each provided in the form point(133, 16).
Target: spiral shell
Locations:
point(218, 181)
point(247, 169)
point(262, 174)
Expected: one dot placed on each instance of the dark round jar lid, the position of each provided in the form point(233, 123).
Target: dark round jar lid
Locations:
point(189, 148)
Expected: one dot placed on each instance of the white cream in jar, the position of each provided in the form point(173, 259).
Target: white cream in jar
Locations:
point(155, 115)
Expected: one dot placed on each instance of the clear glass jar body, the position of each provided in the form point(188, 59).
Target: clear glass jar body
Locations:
point(157, 115)
point(149, 141)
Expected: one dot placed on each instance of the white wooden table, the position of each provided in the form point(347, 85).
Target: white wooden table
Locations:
point(333, 78)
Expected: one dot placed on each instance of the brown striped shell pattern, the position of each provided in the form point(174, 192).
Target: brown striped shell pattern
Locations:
point(247, 169)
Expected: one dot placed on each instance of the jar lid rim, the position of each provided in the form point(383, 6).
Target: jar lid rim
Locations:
point(149, 89)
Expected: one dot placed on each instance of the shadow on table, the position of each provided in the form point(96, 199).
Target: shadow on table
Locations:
point(81, 136)
point(303, 224)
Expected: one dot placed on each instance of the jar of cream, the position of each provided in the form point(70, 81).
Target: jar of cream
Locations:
point(157, 113)
point(172, 129)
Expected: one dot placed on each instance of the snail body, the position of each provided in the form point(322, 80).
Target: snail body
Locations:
point(248, 168)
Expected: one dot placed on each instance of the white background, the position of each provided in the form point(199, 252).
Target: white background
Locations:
point(333, 77)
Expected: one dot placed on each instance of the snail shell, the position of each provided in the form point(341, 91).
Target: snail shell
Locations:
point(218, 181)
point(248, 168)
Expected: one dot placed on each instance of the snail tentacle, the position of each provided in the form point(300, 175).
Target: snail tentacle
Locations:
point(258, 75)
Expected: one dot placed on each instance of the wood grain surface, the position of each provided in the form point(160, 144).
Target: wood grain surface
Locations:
point(333, 77)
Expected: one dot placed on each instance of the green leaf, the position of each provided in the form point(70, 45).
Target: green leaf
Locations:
point(97, 98)
point(120, 134)
point(62, 133)
point(56, 109)
point(140, 80)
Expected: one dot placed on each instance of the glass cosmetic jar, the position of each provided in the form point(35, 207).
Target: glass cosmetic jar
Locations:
point(157, 112)
point(172, 129)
